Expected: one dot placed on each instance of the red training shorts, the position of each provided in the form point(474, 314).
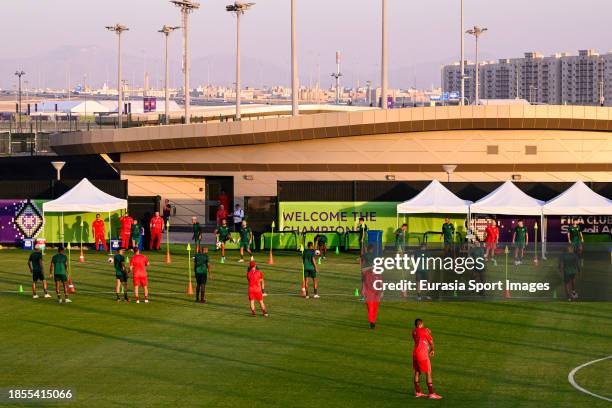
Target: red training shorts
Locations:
point(255, 295)
point(140, 281)
point(422, 365)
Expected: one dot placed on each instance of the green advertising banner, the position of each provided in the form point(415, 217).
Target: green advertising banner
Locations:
point(303, 217)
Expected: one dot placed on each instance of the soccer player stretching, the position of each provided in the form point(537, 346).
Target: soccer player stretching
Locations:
point(310, 271)
point(201, 268)
point(138, 267)
point(520, 239)
point(371, 290)
point(121, 274)
point(321, 244)
point(35, 263)
point(256, 288)
point(58, 271)
point(423, 349)
point(223, 235)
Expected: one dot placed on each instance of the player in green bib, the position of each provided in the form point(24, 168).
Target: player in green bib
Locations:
point(201, 266)
point(121, 275)
point(59, 271)
point(569, 266)
point(520, 239)
point(223, 235)
point(448, 235)
point(309, 263)
point(362, 229)
point(35, 263)
point(575, 237)
point(400, 239)
point(135, 234)
point(197, 233)
point(246, 239)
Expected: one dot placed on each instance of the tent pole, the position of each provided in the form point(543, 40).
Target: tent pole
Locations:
point(543, 235)
point(62, 229)
point(110, 246)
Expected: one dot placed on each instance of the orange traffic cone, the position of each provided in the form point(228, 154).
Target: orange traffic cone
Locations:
point(82, 257)
point(167, 257)
point(190, 289)
point(270, 259)
point(507, 294)
point(71, 286)
point(536, 261)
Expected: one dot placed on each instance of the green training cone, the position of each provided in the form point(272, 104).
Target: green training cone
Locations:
point(356, 292)
point(122, 289)
point(318, 261)
point(222, 259)
point(555, 294)
point(338, 250)
point(20, 289)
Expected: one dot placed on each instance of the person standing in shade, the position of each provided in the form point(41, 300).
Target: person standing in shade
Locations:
point(221, 214)
point(202, 269)
point(310, 271)
point(238, 217)
point(197, 233)
point(97, 227)
point(520, 240)
point(362, 229)
point(35, 263)
point(59, 272)
point(224, 200)
point(569, 266)
point(448, 234)
point(156, 225)
point(167, 211)
point(575, 237)
point(400, 239)
point(121, 275)
point(126, 230)
point(491, 240)
point(246, 239)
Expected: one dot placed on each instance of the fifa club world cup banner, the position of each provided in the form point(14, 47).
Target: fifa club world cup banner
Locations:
point(23, 219)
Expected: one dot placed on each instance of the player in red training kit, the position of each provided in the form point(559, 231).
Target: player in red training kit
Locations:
point(256, 288)
point(156, 225)
point(126, 230)
point(491, 239)
point(423, 349)
point(138, 268)
point(372, 285)
point(97, 227)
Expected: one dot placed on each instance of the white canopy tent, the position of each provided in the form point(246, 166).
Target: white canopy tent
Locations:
point(579, 199)
point(85, 197)
point(435, 198)
point(508, 199)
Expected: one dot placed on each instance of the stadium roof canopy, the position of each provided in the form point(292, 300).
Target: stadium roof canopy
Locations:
point(507, 199)
point(435, 199)
point(579, 199)
point(85, 197)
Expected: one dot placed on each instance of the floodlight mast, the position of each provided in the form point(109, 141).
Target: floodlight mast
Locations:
point(187, 7)
point(337, 76)
point(166, 30)
point(19, 74)
point(119, 29)
point(295, 104)
point(239, 9)
point(383, 65)
point(477, 32)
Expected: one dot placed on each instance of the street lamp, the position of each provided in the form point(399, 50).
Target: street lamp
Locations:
point(58, 165)
point(166, 30)
point(186, 6)
point(118, 29)
point(461, 101)
point(295, 106)
point(238, 8)
point(449, 169)
point(19, 74)
point(384, 81)
point(476, 32)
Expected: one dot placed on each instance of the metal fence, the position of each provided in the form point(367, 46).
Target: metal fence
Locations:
point(24, 144)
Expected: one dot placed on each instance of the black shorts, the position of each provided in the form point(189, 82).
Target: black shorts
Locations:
point(123, 277)
point(201, 278)
point(310, 273)
point(60, 278)
point(568, 277)
point(38, 276)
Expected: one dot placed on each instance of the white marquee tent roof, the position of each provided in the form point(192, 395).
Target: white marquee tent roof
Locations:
point(507, 199)
point(579, 199)
point(85, 197)
point(435, 198)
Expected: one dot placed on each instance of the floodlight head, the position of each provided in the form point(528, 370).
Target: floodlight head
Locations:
point(168, 29)
point(118, 28)
point(239, 7)
point(19, 73)
point(186, 5)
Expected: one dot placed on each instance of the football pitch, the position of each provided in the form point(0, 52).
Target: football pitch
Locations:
point(317, 352)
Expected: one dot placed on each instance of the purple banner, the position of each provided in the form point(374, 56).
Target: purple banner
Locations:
point(20, 219)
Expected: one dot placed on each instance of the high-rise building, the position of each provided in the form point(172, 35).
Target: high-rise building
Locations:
point(583, 79)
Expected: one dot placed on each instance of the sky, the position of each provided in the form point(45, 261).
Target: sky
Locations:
point(62, 41)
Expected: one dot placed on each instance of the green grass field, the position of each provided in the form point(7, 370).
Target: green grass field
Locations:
point(173, 352)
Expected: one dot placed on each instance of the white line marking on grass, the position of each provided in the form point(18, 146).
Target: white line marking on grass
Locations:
point(570, 378)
